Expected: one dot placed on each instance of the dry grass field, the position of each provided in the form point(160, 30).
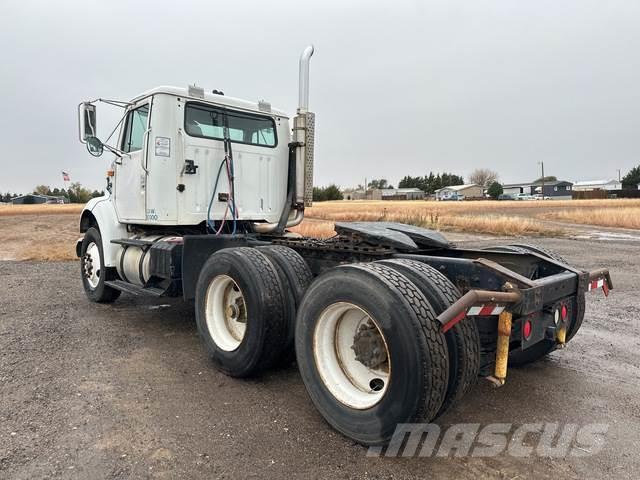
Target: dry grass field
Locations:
point(615, 216)
point(14, 210)
point(49, 232)
point(38, 232)
point(511, 218)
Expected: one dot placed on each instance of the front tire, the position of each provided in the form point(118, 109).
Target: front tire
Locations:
point(370, 352)
point(92, 269)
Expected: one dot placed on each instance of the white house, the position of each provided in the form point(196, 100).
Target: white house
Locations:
point(516, 188)
point(455, 192)
point(589, 185)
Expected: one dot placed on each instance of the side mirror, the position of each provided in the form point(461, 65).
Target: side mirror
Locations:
point(94, 146)
point(87, 122)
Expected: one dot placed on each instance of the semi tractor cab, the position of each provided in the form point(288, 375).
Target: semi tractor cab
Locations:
point(388, 323)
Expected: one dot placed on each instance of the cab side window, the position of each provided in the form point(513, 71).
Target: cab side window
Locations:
point(135, 126)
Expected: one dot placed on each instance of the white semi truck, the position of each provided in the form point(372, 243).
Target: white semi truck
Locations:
point(388, 323)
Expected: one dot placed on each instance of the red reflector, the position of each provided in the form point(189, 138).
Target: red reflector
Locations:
point(526, 329)
point(564, 312)
point(486, 310)
point(449, 325)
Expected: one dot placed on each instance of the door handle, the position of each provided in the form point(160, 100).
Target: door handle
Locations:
point(145, 145)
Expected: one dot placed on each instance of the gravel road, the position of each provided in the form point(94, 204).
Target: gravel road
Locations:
point(126, 391)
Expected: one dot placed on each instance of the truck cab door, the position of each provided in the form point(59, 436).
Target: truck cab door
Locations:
point(130, 182)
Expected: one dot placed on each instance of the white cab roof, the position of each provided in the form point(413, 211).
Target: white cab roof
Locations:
point(211, 98)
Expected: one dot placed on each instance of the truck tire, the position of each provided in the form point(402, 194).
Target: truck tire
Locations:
point(463, 340)
point(92, 271)
point(240, 311)
point(296, 277)
point(370, 352)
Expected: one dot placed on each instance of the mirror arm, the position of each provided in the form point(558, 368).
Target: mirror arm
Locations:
point(115, 103)
point(117, 152)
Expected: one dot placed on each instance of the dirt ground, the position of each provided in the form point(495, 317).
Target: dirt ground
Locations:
point(126, 391)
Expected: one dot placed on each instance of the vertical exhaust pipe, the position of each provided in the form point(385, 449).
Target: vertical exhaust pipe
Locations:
point(303, 135)
point(303, 80)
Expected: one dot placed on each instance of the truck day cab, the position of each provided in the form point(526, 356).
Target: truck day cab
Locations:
point(388, 323)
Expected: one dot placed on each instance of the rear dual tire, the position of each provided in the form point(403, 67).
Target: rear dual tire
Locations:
point(246, 300)
point(295, 277)
point(240, 311)
point(463, 340)
point(370, 351)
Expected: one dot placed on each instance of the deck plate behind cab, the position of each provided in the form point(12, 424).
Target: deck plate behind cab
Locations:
point(395, 235)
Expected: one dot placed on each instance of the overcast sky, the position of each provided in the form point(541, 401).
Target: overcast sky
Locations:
point(405, 88)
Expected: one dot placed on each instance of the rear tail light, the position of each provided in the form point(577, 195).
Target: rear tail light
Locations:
point(564, 312)
point(526, 329)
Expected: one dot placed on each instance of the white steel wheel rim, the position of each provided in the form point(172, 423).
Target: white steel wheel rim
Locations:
point(349, 380)
point(225, 313)
point(92, 265)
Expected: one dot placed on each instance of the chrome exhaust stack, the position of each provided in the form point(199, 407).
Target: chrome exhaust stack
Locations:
point(303, 134)
point(303, 137)
point(303, 80)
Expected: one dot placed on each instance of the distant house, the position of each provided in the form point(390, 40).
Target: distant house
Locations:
point(516, 188)
point(33, 198)
point(401, 194)
point(590, 185)
point(360, 194)
point(557, 189)
point(468, 191)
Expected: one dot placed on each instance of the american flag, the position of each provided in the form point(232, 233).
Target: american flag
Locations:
point(65, 177)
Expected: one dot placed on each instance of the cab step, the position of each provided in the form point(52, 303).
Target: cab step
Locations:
point(134, 289)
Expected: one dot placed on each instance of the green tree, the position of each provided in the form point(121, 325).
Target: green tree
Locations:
point(79, 194)
point(42, 190)
point(411, 182)
point(330, 192)
point(495, 190)
point(632, 178)
point(379, 184)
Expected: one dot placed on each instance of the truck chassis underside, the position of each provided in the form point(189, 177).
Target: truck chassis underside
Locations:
point(526, 285)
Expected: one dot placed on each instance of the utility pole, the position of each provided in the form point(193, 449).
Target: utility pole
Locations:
point(619, 179)
point(542, 165)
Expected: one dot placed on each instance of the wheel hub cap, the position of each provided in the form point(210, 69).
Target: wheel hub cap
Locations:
point(368, 346)
point(225, 313)
point(91, 265)
point(351, 355)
